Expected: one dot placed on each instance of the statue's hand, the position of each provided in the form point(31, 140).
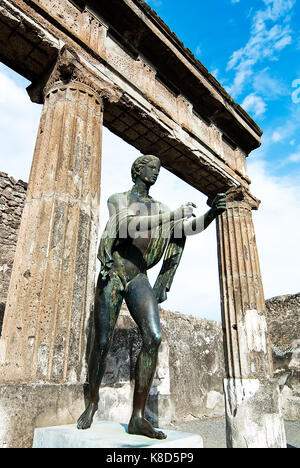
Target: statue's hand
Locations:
point(219, 204)
point(184, 211)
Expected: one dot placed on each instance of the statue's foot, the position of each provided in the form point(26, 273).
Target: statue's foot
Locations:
point(86, 419)
point(141, 426)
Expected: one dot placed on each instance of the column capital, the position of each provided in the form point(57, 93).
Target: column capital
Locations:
point(240, 195)
point(68, 69)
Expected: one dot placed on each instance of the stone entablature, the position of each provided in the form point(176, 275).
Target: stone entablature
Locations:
point(186, 117)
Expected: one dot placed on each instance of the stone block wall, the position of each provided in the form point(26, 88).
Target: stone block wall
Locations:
point(283, 318)
point(12, 197)
point(189, 378)
point(196, 363)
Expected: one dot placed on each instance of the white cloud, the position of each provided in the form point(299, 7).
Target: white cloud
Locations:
point(276, 9)
point(243, 74)
point(254, 105)
point(198, 50)
point(296, 93)
point(277, 136)
point(19, 120)
point(155, 3)
point(268, 85)
point(266, 41)
point(277, 225)
point(283, 42)
point(288, 129)
point(215, 72)
point(294, 157)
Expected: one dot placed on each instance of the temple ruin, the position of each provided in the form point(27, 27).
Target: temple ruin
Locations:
point(117, 64)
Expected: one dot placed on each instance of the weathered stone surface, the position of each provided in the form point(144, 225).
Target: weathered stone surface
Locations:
point(12, 197)
point(23, 407)
point(283, 317)
point(52, 283)
point(196, 371)
point(196, 365)
point(195, 354)
point(253, 414)
point(242, 298)
point(248, 362)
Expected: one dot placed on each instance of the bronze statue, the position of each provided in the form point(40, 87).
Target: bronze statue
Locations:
point(139, 232)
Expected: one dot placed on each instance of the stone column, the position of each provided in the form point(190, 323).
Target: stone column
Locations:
point(52, 283)
point(52, 280)
point(253, 410)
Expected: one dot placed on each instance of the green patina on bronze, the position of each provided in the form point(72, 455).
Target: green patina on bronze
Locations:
point(125, 259)
point(162, 241)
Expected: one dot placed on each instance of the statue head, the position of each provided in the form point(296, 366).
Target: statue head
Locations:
point(140, 165)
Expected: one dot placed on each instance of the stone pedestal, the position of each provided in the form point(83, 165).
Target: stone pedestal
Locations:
point(252, 400)
point(107, 434)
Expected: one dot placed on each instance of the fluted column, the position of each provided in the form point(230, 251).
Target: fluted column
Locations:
point(252, 398)
point(52, 282)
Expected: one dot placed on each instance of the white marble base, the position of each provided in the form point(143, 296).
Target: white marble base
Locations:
point(107, 434)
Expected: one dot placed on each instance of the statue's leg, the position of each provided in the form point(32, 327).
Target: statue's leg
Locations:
point(143, 307)
point(108, 301)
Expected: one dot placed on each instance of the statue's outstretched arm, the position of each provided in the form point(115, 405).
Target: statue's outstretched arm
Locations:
point(140, 220)
point(196, 225)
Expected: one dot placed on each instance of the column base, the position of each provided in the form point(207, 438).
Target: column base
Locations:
point(253, 414)
point(23, 407)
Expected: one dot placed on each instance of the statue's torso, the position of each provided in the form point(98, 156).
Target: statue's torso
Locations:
point(140, 251)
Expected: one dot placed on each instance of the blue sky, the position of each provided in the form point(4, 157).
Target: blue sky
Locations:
point(253, 50)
